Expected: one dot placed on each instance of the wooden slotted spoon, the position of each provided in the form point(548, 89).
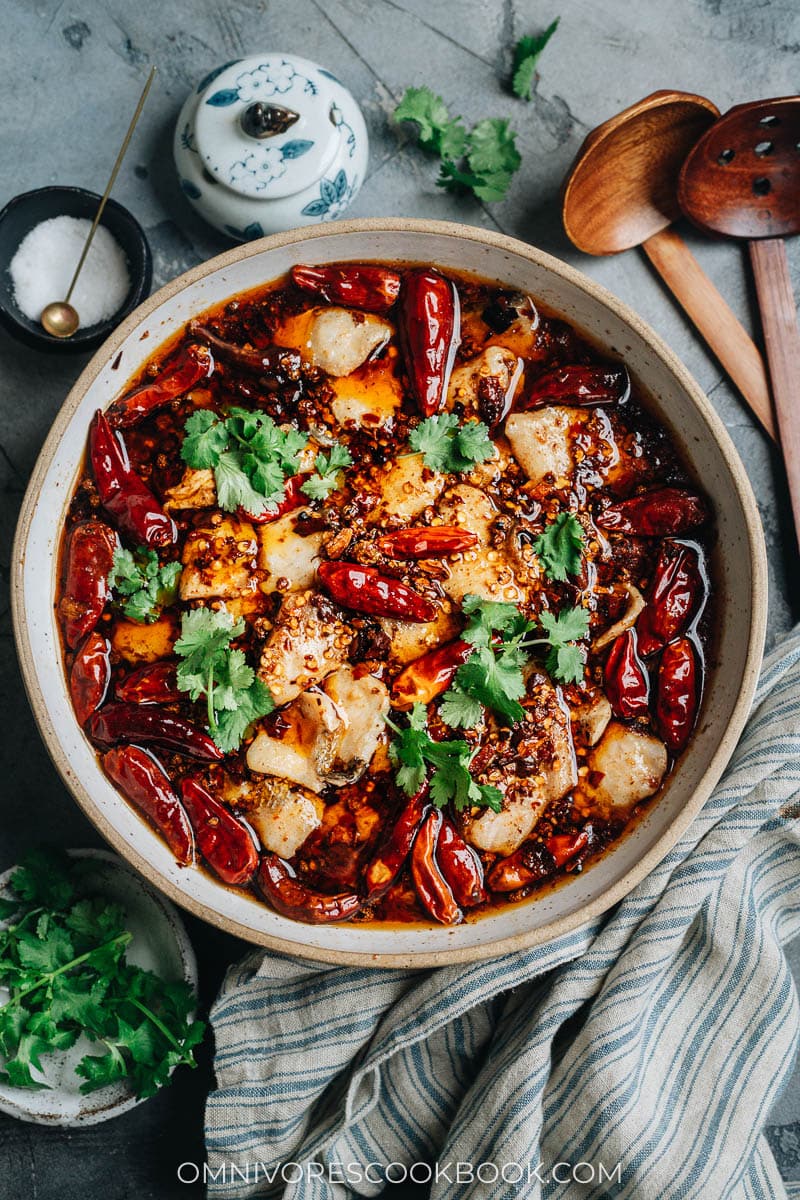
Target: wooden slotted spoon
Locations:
point(742, 179)
point(622, 192)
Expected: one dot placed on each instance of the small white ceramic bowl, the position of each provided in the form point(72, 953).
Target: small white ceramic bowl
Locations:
point(677, 401)
point(159, 944)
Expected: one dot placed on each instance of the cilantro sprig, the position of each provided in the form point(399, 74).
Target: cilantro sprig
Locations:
point(450, 446)
point(235, 696)
point(492, 676)
point(526, 59)
point(145, 586)
point(482, 160)
point(560, 546)
point(413, 752)
point(328, 468)
point(62, 957)
point(564, 660)
point(251, 457)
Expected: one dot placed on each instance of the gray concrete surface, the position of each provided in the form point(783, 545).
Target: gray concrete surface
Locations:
point(71, 71)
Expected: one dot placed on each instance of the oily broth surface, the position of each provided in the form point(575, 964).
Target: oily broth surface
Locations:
point(357, 816)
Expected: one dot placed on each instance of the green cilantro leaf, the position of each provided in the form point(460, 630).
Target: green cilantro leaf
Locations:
point(63, 961)
point(492, 147)
point(566, 626)
point(526, 58)
point(487, 617)
point(252, 703)
point(436, 129)
point(250, 455)
point(47, 948)
point(565, 661)
point(205, 439)
point(328, 468)
point(449, 446)
point(43, 880)
point(236, 490)
point(492, 159)
point(211, 667)
point(493, 674)
point(482, 160)
point(459, 710)
point(559, 548)
point(494, 678)
point(206, 635)
point(413, 751)
point(147, 588)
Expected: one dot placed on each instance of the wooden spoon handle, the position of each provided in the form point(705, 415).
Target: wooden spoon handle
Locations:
point(711, 315)
point(782, 339)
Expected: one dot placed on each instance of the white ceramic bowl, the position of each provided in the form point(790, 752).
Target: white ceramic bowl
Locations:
point(160, 944)
point(739, 569)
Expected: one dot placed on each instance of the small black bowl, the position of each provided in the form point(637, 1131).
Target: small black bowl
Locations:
point(28, 209)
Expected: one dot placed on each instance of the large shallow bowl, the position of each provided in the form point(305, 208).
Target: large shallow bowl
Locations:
point(678, 402)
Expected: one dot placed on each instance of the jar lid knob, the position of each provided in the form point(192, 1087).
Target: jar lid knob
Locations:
point(261, 120)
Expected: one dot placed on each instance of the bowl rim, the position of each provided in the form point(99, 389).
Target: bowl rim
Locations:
point(559, 926)
point(91, 337)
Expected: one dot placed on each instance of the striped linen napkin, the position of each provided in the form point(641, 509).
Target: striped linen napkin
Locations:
point(637, 1056)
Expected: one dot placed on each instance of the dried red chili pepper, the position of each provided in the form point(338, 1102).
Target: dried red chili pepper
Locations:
point(279, 884)
point(142, 779)
point(531, 863)
point(90, 557)
point(429, 325)
point(426, 541)
point(90, 676)
point(427, 677)
point(625, 680)
point(566, 846)
point(387, 863)
point(122, 492)
point(359, 285)
point(460, 865)
point(366, 590)
point(152, 726)
point(154, 683)
point(225, 843)
point(189, 366)
point(674, 596)
point(664, 512)
point(276, 365)
point(293, 497)
point(432, 887)
point(579, 385)
point(677, 694)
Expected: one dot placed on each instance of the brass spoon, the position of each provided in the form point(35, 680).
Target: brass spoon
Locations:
point(59, 318)
point(622, 192)
point(743, 180)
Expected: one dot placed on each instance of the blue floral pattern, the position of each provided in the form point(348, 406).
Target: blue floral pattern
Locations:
point(267, 163)
point(248, 234)
point(337, 119)
point(190, 189)
point(215, 74)
point(262, 83)
point(187, 139)
point(334, 196)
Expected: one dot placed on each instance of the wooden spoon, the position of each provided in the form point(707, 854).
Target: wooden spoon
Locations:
point(622, 192)
point(743, 179)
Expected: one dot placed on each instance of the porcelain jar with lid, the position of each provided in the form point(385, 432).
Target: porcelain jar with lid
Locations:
point(269, 143)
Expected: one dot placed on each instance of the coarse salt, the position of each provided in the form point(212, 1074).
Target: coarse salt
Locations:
point(44, 263)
